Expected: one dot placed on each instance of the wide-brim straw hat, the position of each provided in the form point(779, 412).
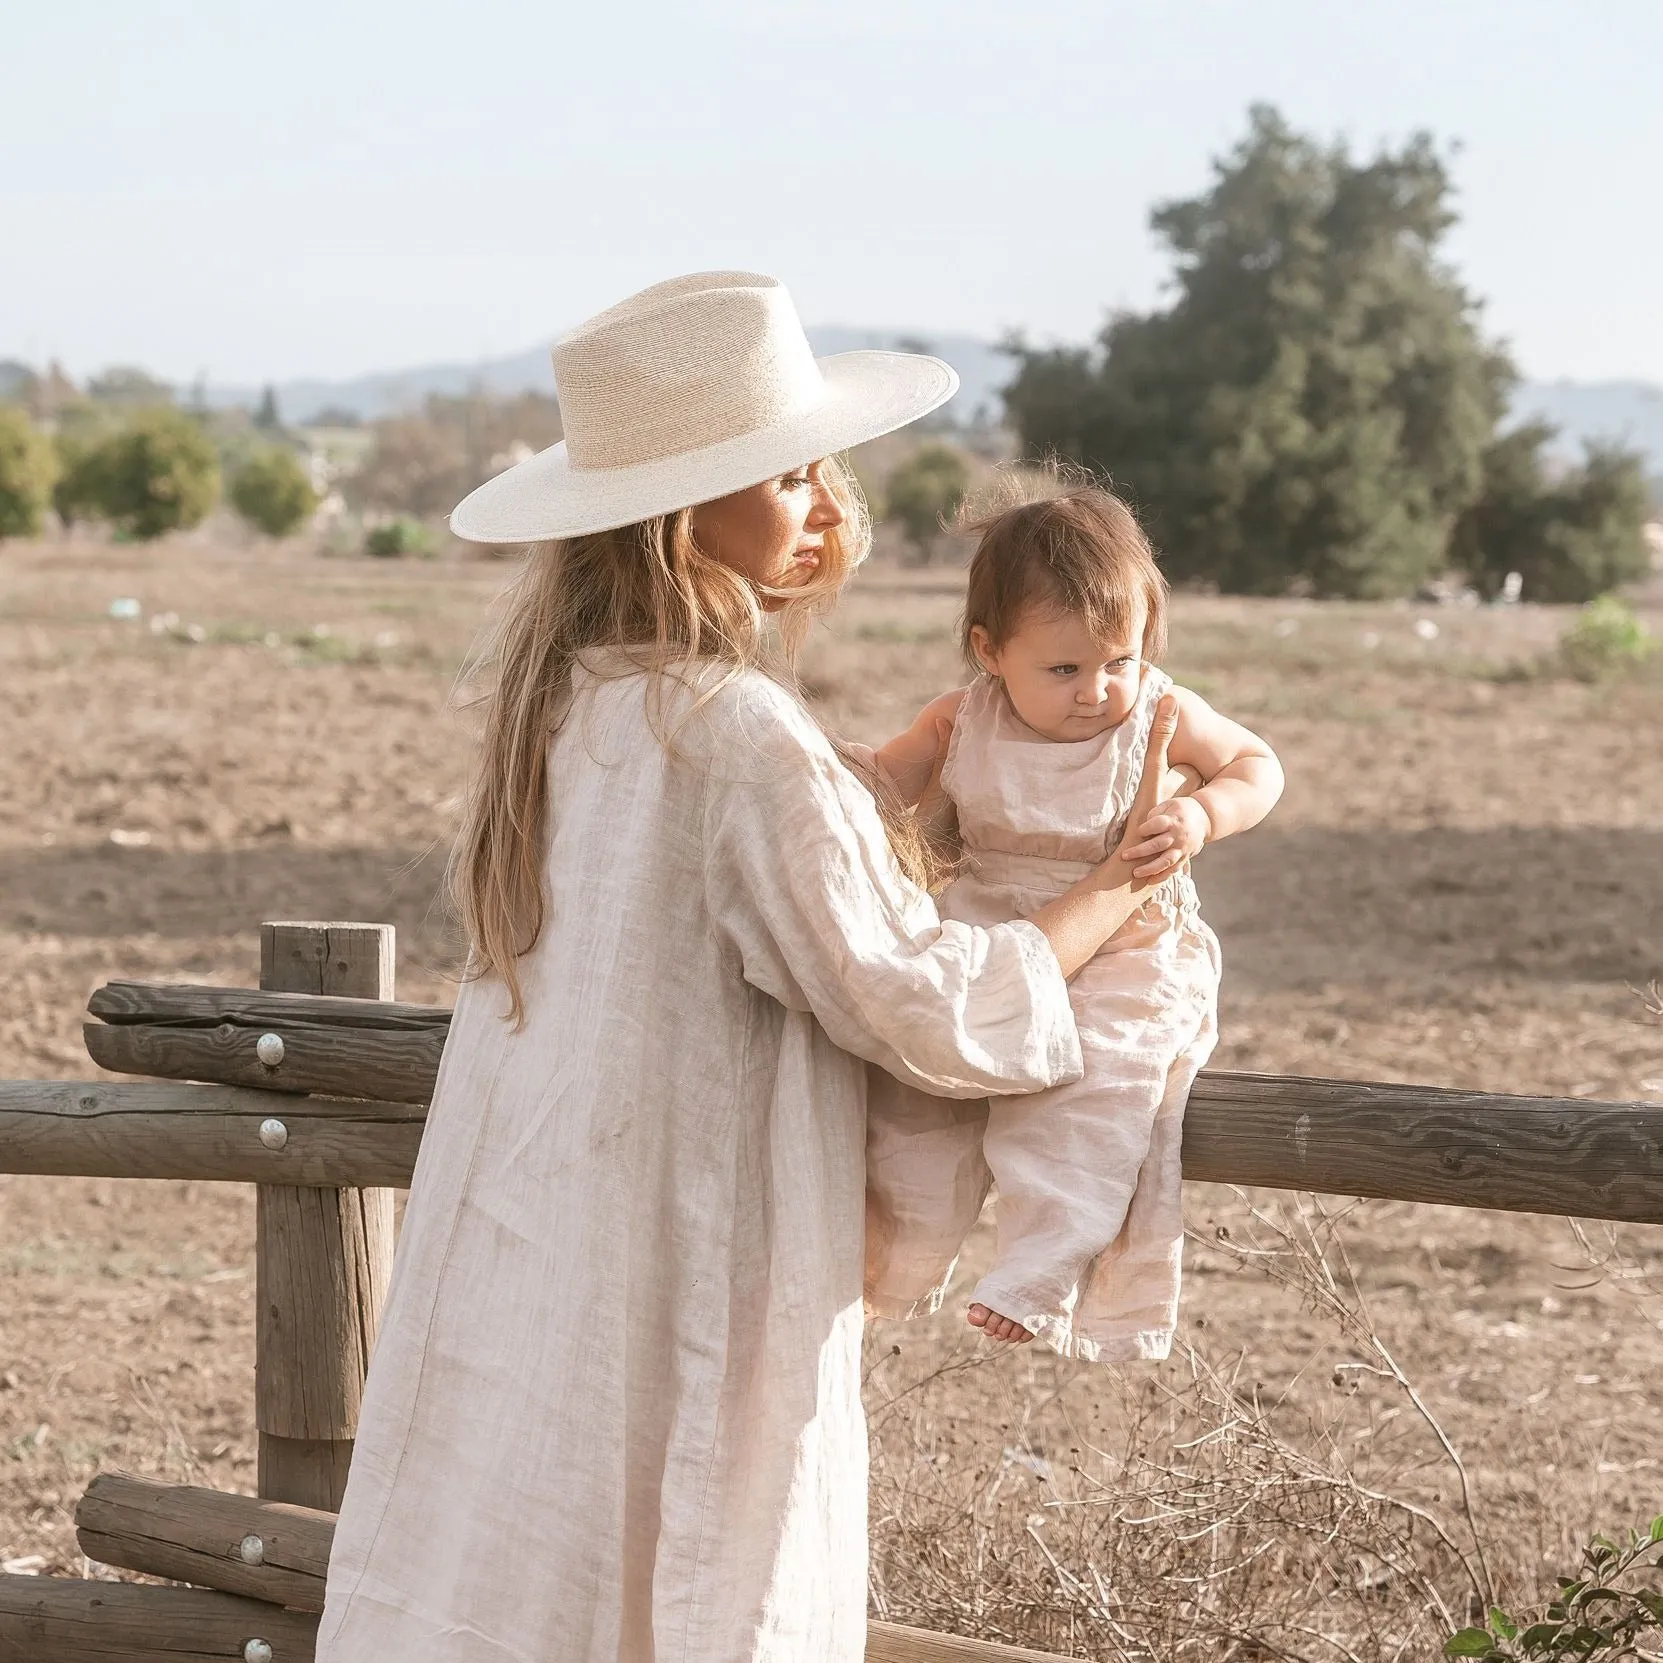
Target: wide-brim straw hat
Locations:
point(688, 391)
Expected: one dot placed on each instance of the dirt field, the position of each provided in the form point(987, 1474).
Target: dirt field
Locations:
point(1463, 886)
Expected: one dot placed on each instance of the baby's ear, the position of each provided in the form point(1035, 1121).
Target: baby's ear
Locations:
point(981, 644)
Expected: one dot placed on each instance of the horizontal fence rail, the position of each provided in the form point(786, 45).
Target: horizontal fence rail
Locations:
point(94, 1129)
point(234, 1547)
point(374, 1063)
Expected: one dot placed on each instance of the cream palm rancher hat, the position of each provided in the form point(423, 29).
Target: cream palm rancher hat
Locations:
point(687, 391)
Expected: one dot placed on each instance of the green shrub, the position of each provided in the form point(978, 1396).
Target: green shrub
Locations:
point(923, 492)
point(272, 491)
point(1598, 1614)
point(28, 467)
point(157, 472)
point(1606, 639)
point(398, 538)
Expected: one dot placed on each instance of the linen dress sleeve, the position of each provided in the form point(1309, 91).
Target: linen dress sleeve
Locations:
point(805, 893)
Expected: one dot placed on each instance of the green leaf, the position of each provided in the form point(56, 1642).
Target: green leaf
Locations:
point(1501, 1625)
point(1656, 1532)
point(1539, 1635)
point(1593, 1594)
point(1470, 1642)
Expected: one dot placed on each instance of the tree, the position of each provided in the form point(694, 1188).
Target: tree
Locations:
point(268, 418)
point(923, 492)
point(157, 472)
point(425, 464)
point(124, 384)
point(1313, 407)
point(1570, 538)
point(28, 467)
point(273, 492)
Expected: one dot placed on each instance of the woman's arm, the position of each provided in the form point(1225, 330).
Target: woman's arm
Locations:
point(1241, 782)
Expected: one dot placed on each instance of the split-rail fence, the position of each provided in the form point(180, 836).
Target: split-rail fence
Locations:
point(314, 1089)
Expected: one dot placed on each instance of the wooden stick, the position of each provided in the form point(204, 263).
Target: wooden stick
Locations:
point(1420, 1143)
point(323, 1257)
point(892, 1643)
point(128, 1130)
point(50, 1619)
point(265, 1550)
point(188, 1005)
point(396, 1065)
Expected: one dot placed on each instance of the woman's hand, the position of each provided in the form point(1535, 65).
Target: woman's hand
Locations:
point(1080, 920)
point(1168, 837)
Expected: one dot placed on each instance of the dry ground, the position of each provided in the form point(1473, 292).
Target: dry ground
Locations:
point(1463, 886)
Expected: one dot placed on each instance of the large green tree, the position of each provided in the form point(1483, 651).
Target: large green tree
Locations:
point(1313, 407)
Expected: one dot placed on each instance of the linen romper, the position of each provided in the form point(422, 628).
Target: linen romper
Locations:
point(1089, 1215)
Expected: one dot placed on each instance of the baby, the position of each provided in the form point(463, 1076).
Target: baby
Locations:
point(1039, 758)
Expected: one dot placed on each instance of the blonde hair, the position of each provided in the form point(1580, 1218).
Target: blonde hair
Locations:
point(646, 586)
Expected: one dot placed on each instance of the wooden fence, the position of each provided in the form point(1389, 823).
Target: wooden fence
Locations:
point(314, 1089)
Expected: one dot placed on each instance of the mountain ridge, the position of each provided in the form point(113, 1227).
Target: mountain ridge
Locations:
point(1626, 412)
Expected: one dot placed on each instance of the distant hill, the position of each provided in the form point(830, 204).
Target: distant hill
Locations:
point(1628, 412)
point(982, 370)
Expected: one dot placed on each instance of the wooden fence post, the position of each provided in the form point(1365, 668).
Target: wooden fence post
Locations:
point(322, 1256)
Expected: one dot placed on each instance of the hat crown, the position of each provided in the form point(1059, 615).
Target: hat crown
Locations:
point(685, 364)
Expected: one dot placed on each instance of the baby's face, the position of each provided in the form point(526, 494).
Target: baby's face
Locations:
point(1060, 681)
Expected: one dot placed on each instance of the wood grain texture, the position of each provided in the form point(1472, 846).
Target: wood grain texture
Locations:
point(186, 1005)
point(323, 1256)
point(1418, 1143)
point(352, 961)
point(89, 1129)
point(195, 1535)
point(392, 1065)
point(48, 1619)
point(893, 1643)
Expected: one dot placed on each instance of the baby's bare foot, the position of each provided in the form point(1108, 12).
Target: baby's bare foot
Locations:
point(997, 1327)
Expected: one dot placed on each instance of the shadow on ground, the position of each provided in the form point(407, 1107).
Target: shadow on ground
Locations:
point(1303, 909)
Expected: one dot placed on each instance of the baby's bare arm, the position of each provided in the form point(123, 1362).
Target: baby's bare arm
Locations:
point(1240, 783)
point(911, 760)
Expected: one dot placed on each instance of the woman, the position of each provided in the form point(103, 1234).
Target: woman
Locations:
point(614, 1407)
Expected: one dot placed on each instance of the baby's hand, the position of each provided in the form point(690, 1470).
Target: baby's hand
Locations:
point(1170, 834)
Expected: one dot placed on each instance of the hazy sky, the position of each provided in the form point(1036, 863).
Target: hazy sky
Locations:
point(326, 187)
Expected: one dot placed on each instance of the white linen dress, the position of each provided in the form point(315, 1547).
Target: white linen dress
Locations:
point(613, 1414)
point(1089, 1174)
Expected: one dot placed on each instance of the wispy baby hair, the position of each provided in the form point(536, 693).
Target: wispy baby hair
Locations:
point(1078, 550)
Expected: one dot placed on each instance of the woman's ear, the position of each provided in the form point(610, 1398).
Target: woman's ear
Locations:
point(981, 644)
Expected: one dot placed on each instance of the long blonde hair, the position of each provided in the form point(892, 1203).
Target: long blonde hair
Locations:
point(646, 586)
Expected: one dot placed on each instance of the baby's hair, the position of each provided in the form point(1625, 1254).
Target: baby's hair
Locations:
point(1078, 550)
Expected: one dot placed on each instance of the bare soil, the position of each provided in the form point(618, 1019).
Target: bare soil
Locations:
point(1463, 886)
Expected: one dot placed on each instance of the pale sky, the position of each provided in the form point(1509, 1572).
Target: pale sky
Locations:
point(329, 187)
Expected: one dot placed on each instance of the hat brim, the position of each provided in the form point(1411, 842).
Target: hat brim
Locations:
point(867, 395)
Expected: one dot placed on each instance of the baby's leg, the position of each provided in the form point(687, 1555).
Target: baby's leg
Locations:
point(1128, 1301)
point(1067, 1161)
point(926, 1181)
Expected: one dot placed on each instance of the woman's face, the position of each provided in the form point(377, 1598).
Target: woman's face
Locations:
point(771, 533)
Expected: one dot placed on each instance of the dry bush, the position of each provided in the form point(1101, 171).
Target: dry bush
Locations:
point(1178, 1512)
